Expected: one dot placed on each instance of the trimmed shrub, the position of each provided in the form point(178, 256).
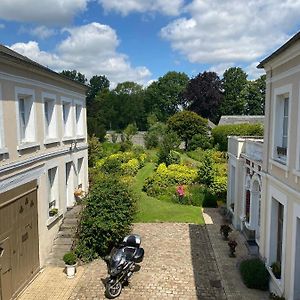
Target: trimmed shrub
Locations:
point(167, 176)
point(210, 200)
point(173, 158)
point(106, 219)
point(219, 187)
point(254, 274)
point(70, 258)
point(200, 141)
point(220, 133)
point(131, 167)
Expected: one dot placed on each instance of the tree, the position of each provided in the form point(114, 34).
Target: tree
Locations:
point(170, 141)
point(186, 124)
point(203, 95)
point(75, 75)
point(164, 96)
point(130, 131)
point(97, 84)
point(253, 95)
point(234, 81)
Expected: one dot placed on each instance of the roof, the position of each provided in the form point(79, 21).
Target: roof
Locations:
point(226, 120)
point(290, 42)
point(15, 55)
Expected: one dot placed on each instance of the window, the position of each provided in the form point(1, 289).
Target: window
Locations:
point(79, 120)
point(53, 192)
point(26, 117)
point(50, 117)
point(67, 118)
point(276, 236)
point(80, 172)
point(281, 126)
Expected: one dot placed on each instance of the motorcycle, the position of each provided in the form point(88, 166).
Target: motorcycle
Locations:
point(121, 264)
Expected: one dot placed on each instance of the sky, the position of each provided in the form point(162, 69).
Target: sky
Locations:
point(141, 40)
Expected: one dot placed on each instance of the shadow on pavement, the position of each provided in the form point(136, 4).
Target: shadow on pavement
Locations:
point(206, 273)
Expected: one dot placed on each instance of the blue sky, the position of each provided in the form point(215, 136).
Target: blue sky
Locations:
point(141, 40)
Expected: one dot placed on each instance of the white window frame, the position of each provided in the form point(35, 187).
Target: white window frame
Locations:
point(296, 215)
point(279, 95)
point(3, 148)
point(68, 126)
point(50, 130)
point(80, 173)
point(79, 122)
point(30, 138)
point(297, 167)
point(53, 190)
point(282, 199)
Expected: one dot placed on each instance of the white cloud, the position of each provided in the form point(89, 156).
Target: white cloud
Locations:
point(231, 31)
point(170, 8)
point(253, 72)
point(42, 11)
point(221, 68)
point(90, 49)
point(42, 32)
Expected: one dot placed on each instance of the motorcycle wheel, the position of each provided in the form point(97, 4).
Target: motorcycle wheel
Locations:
point(113, 290)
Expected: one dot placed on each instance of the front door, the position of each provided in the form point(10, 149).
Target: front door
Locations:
point(5, 269)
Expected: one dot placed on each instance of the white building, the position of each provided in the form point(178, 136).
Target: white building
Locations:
point(43, 159)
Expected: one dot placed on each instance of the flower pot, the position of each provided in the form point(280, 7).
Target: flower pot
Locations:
point(71, 270)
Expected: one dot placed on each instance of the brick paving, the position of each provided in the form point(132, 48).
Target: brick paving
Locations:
point(182, 261)
point(178, 264)
point(228, 267)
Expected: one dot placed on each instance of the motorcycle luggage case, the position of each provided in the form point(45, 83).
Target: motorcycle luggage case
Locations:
point(133, 240)
point(139, 255)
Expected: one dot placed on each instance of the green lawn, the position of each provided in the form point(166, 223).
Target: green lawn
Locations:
point(151, 209)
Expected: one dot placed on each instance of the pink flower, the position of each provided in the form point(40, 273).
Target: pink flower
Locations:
point(180, 190)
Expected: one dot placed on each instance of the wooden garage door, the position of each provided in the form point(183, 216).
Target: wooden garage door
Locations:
point(19, 257)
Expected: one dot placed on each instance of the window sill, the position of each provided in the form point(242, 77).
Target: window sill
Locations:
point(51, 141)
point(3, 150)
point(80, 137)
point(296, 172)
point(68, 138)
point(280, 164)
point(52, 220)
point(29, 145)
point(277, 282)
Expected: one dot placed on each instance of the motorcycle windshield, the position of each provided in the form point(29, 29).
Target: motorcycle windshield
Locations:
point(117, 259)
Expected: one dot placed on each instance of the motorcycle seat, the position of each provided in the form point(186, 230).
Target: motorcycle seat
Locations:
point(129, 252)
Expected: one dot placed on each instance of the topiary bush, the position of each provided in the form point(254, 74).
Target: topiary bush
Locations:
point(220, 133)
point(200, 141)
point(254, 274)
point(70, 258)
point(106, 218)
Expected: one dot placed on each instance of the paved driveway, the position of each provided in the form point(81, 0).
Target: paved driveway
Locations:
point(179, 264)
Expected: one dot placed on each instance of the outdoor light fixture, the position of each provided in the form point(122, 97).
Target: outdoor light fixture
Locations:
point(73, 145)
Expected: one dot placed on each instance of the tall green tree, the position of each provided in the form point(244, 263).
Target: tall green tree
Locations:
point(75, 75)
point(164, 96)
point(253, 95)
point(234, 81)
point(97, 84)
point(187, 124)
point(204, 95)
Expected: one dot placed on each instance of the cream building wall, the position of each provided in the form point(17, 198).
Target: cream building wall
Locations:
point(281, 177)
point(24, 162)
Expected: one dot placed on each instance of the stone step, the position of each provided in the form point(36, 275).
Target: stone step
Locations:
point(68, 226)
point(63, 241)
point(58, 248)
point(56, 262)
point(66, 233)
point(73, 221)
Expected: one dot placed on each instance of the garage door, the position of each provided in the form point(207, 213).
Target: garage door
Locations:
point(19, 256)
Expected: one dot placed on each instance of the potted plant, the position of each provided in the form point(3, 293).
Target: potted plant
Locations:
point(225, 230)
point(276, 269)
point(53, 212)
point(232, 245)
point(70, 261)
point(79, 194)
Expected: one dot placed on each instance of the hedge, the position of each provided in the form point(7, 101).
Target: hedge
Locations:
point(106, 218)
point(254, 274)
point(220, 133)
